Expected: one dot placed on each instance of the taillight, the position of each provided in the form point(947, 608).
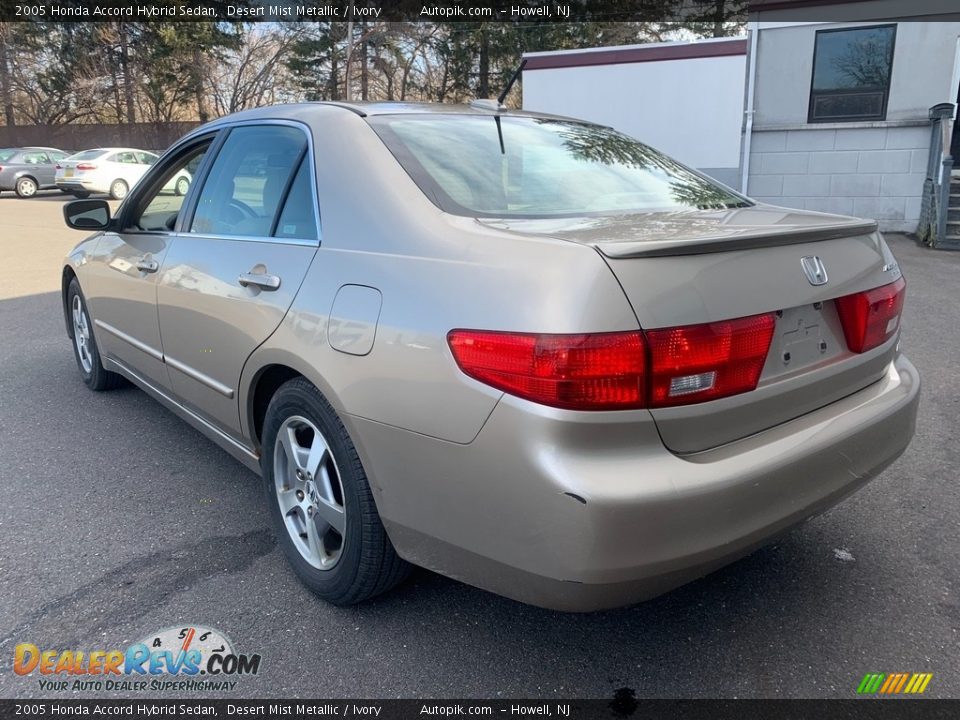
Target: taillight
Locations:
point(705, 362)
point(620, 370)
point(86, 166)
point(602, 371)
point(58, 167)
point(870, 318)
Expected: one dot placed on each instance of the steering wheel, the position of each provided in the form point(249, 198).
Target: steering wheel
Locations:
point(246, 212)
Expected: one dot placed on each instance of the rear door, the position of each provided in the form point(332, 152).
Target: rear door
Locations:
point(126, 166)
point(40, 166)
point(237, 263)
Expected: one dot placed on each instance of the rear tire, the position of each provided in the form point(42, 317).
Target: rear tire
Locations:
point(26, 187)
point(181, 186)
point(119, 189)
point(363, 563)
point(94, 375)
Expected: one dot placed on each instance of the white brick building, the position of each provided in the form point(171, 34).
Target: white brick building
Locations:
point(840, 109)
point(812, 110)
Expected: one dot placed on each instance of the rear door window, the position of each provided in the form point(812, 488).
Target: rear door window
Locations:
point(247, 182)
point(298, 218)
point(36, 158)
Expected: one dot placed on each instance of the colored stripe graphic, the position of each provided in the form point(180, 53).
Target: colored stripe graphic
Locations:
point(902, 682)
point(894, 683)
point(890, 682)
point(871, 683)
point(924, 680)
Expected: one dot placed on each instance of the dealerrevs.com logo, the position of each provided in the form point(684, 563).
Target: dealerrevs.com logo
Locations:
point(184, 658)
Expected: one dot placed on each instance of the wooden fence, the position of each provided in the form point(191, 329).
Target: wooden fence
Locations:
point(83, 136)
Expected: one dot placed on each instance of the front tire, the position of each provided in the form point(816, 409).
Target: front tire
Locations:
point(320, 501)
point(94, 375)
point(119, 189)
point(26, 187)
point(181, 186)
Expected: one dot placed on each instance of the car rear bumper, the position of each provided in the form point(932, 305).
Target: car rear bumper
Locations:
point(581, 512)
point(82, 185)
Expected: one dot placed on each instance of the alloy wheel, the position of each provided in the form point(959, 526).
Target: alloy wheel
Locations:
point(26, 188)
point(309, 492)
point(81, 335)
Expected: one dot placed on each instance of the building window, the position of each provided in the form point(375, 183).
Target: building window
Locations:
point(851, 74)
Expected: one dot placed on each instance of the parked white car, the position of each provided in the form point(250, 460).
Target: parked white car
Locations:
point(113, 171)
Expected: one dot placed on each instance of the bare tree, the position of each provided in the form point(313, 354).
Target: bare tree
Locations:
point(6, 89)
point(865, 62)
point(255, 74)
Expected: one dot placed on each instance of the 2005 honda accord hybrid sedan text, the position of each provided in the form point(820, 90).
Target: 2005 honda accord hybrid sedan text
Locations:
point(523, 351)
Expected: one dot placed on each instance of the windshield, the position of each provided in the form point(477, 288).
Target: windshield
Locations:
point(87, 155)
point(535, 167)
point(7, 153)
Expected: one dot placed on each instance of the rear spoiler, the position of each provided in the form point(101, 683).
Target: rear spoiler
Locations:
point(739, 239)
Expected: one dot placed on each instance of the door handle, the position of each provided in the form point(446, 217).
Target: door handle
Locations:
point(260, 280)
point(147, 266)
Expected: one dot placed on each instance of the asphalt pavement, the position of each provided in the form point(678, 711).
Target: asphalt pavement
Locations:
point(117, 519)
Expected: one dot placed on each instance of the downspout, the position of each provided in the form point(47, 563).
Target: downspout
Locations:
point(754, 31)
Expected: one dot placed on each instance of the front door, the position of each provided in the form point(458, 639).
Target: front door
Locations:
point(122, 289)
point(234, 269)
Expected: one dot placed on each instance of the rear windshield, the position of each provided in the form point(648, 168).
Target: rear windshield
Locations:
point(7, 153)
point(535, 167)
point(87, 155)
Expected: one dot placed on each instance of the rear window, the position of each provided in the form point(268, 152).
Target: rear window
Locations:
point(87, 155)
point(535, 167)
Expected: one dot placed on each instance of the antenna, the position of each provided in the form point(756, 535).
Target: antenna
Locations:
point(513, 79)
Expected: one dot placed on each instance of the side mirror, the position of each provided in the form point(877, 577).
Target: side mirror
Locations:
point(87, 214)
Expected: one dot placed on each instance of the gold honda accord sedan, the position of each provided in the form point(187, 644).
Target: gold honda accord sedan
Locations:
point(524, 351)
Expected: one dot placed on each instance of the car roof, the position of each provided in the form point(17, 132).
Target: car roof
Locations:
point(118, 149)
point(479, 108)
point(28, 149)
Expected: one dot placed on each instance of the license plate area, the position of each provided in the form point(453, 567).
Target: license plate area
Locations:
point(806, 336)
point(68, 172)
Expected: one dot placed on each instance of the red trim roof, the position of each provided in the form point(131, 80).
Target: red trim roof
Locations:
point(653, 53)
point(763, 5)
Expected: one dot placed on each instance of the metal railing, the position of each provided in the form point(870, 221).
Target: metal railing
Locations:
point(936, 187)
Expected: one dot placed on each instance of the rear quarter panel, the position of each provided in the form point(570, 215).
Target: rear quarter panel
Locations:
point(435, 273)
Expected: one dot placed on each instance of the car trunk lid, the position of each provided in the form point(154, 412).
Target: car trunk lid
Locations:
point(680, 269)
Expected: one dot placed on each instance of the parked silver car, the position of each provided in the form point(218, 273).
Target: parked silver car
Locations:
point(27, 170)
point(524, 351)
